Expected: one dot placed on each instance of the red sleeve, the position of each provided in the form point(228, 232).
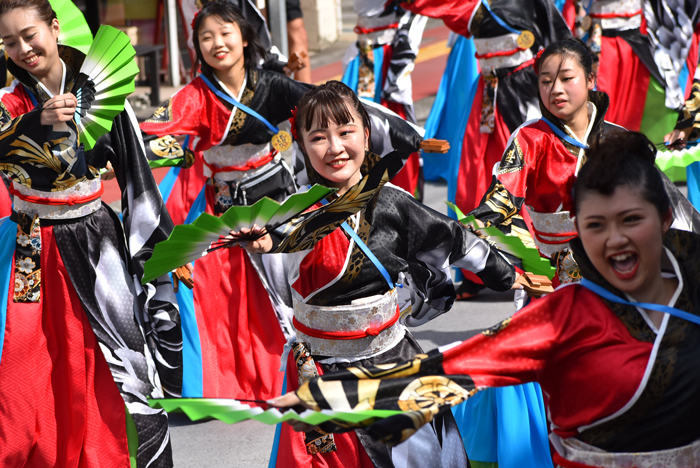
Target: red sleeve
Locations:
point(15, 101)
point(193, 110)
point(518, 161)
point(455, 13)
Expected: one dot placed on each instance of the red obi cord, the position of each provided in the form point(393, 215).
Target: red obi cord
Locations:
point(569, 236)
point(501, 53)
point(359, 30)
point(343, 335)
point(70, 201)
point(615, 15)
point(246, 167)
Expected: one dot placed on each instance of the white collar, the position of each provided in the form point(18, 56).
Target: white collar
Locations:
point(63, 81)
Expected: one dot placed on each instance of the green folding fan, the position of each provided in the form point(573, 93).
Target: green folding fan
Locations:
point(105, 80)
point(188, 242)
point(530, 256)
point(674, 162)
point(233, 411)
point(75, 31)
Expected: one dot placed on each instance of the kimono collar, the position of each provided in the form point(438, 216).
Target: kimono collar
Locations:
point(250, 82)
point(72, 59)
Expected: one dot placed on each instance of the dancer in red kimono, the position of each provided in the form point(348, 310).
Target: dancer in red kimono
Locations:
point(355, 286)
point(633, 324)
point(507, 35)
point(83, 344)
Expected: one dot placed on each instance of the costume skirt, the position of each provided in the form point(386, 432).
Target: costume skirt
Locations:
point(232, 333)
point(437, 444)
point(75, 370)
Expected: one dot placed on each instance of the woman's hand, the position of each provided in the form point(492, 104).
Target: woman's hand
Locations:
point(108, 174)
point(59, 109)
point(288, 401)
point(678, 136)
point(518, 283)
point(259, 246)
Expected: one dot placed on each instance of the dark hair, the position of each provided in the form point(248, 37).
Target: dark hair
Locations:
point(331, 102)
point(228, 13)
point(620, 158)
point(571, 47)
point(42, 8)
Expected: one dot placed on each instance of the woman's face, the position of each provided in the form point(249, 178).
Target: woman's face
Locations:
point(337, 152)
point(221, 44)
point(29, 41)
point(564, 87)
point(622, 235)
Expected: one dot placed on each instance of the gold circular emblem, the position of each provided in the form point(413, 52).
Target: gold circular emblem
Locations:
point(282, 141)
point(526, 39)
point(586, 23)
point(431, 393)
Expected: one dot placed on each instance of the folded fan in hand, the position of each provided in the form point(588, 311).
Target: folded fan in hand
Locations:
point(105, 80)
point(188, 242)
point(233, 411)
point(530, 256)
point(75, 31)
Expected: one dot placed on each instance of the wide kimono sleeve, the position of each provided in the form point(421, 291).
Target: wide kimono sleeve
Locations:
point(146, 222)
point(455, 13)
point(433, 243)
point(506, 195)
point(516, 351)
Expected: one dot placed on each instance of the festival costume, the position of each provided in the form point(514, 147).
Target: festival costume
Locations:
point(647, 53)
point(379, 64)
point(82, 343)
point(569, 341)
point(507, 80)
point(236, 318)
point(340, 292)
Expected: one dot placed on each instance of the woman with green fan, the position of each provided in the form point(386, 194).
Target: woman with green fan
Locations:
point(83, 344)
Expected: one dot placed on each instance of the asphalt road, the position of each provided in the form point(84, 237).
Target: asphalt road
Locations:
point(247, 445)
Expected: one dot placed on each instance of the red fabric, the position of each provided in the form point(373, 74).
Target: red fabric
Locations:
point(323, 264)
point(70, 201)
point(347, 335)
point(692, 61)
point(187, 187)
point(197, 112)
point(16, 99)
point(625, 79)
point(569, 342)
point(548, 170)
point(456, 14)
point(5, 201)
point(239, 332)
point(292, 449)
point(480, 152)
point(569, 13)
point(59, 405)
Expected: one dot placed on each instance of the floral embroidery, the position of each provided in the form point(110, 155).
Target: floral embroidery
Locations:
point(28, 259)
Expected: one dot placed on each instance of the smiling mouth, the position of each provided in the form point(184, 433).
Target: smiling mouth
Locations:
point(338, 162)
point(624, 264)
point(31, 60)
point(557, 102)
point(220, 55)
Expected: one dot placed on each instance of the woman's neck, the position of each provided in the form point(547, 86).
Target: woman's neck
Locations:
point(578, 123)
point(233, 78)
point(53, 79)
point(345, 186)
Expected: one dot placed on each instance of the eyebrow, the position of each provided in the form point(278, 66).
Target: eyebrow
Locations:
point(322, 129)
point(560, 71)
point(25, 29)
point(621, 213)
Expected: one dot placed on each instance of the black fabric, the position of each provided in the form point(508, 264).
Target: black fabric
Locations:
point(400, 229)
point(444, 424)
point(666, 414)
point(293, 10)
point(275, 97)
point(83, 245)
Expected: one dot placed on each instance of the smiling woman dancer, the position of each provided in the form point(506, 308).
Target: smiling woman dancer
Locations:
point(83, 344)
point(349, 284)
point(235, 319)
point(633, 324)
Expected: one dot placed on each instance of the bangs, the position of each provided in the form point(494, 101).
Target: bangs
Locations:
point(327, 108)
